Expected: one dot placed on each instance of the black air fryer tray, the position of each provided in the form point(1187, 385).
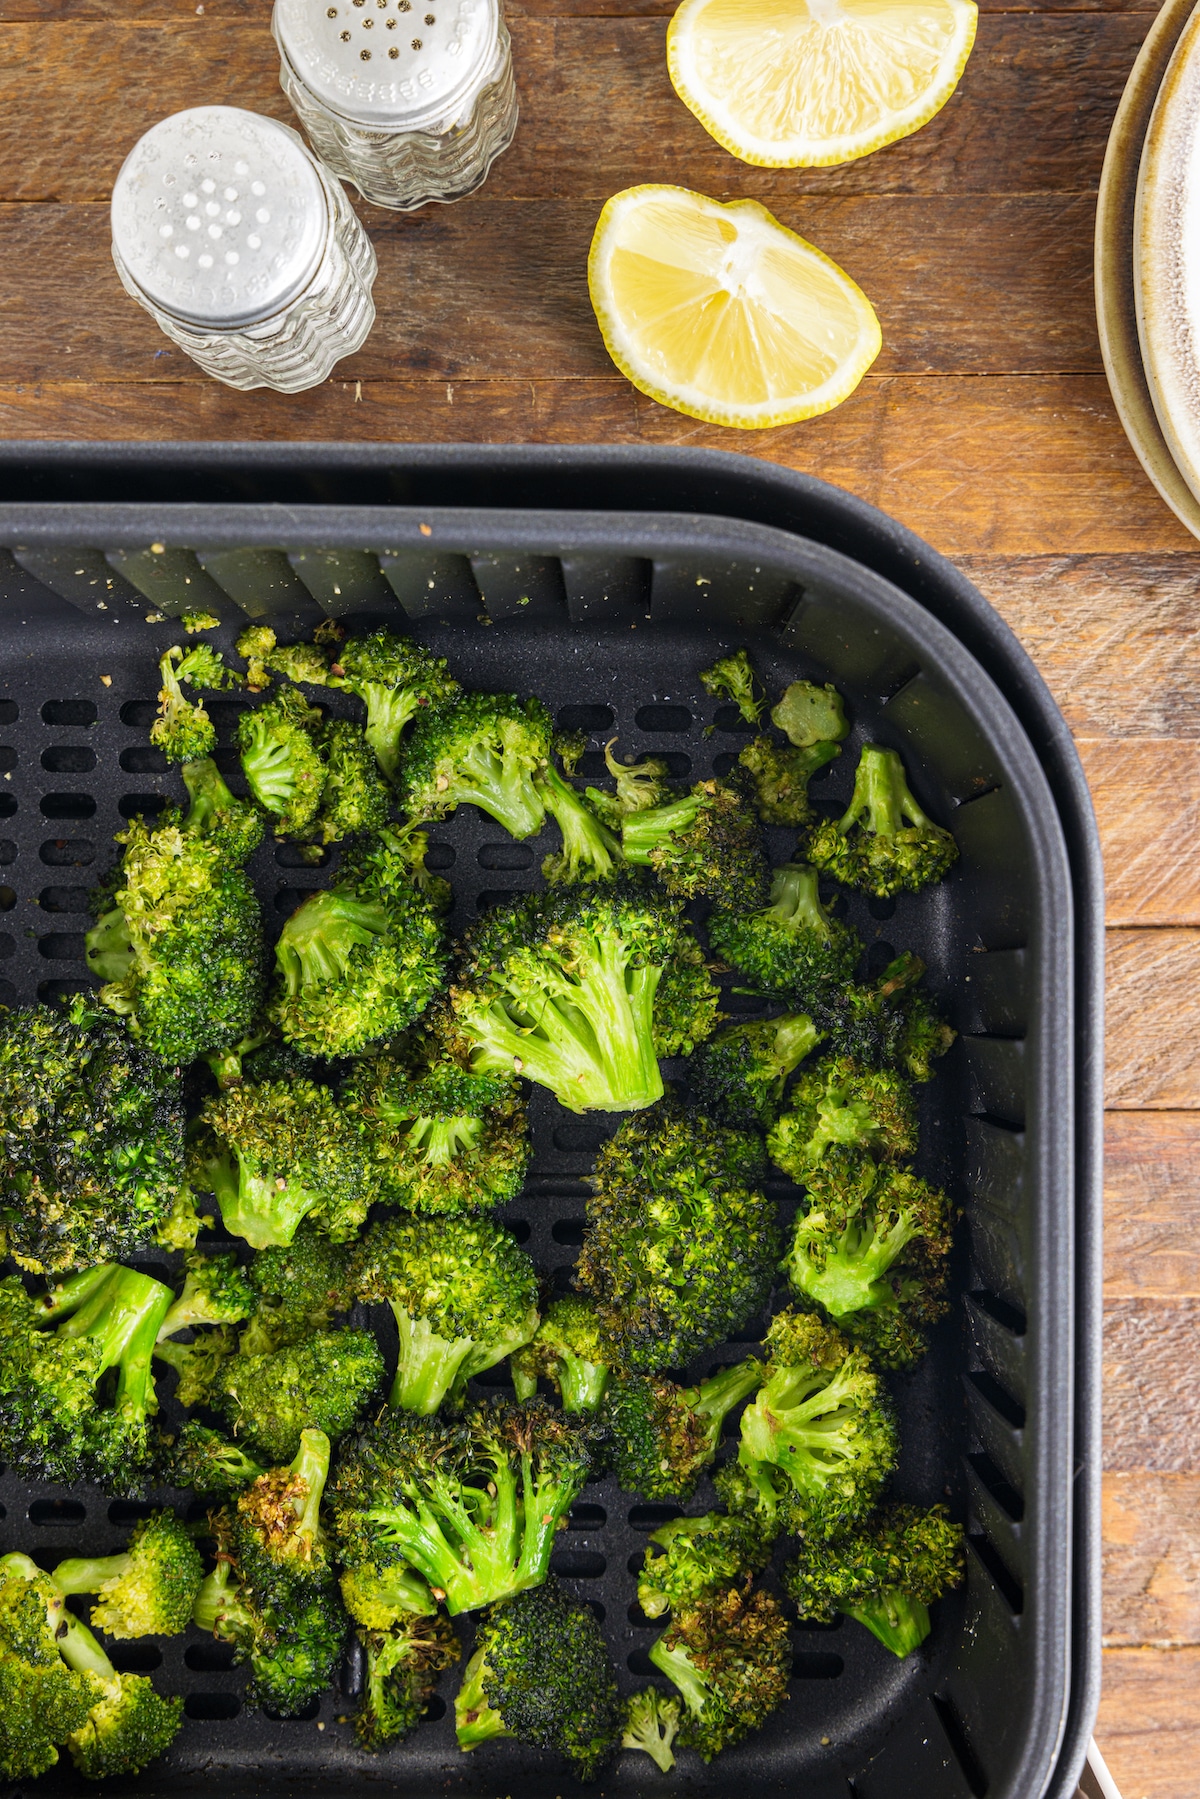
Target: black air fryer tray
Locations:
point(610, 616)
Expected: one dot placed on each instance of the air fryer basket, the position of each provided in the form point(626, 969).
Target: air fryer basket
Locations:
point(611, 618)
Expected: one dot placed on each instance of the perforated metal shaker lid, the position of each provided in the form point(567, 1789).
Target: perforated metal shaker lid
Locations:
point(401, 65)
point(220, 216)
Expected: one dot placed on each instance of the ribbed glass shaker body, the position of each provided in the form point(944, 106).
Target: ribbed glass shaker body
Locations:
point(242, 248)
point(412, 100)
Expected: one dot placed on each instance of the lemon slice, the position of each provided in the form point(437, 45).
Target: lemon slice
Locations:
point(722, 313)
point(802, 83)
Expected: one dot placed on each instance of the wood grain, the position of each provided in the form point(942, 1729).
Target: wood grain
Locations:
point(1147, 797)
point(1153, 1046)
point(1152, 1385)
point(1149, 1723)
point(1152, 1205)
point(1151, 1536)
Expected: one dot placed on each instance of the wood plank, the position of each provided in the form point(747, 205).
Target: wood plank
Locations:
point(1152, 1385)
point(1149, 1724)
point(1151, 1538)
point(1153, 1046)
point(1152, 1205)
point(1147, 797)
point(498, 288)
point(164, 11)
point(598, 112)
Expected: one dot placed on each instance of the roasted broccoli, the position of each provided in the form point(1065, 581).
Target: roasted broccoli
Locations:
point(590, 851)
point(886, 1573)
point(404, 1663)
point(355, 797)
point(299, 1288)
point(91, 1138)
point(281, 761)
point(463, 1293)
point(358, 962)
point(733, 678)
point(215, 1291)
point(640, 785)
point(841, 1120)
point(819, 1440)
point(61, 1419)
point(681, 1246)
point(129, 1724)
point(276, 1152)
point(182, 731)
point(651, 1725)
point(730, 1658)
point(779, 778)
point(473, 1503)
point(663, 1436)
point(322, 1383)
point(198, 1364)
point(889, 1023)
point(397, 679)
point(541, 1673)
point(700, 1556)
point(808, 714)
point(569, 1349)
point(200, 1457)
point(581, 992)
point(883, 842)
point(737, 1077)
point(150, 1589)
point(180, 949)
point(479, 749)
point(705, 845)
point(792, 947)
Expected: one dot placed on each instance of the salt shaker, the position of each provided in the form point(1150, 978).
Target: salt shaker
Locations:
point(412, 100)
point(241, 247)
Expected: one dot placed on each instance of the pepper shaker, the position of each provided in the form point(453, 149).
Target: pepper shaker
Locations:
point(412, 100)
point(242, 249)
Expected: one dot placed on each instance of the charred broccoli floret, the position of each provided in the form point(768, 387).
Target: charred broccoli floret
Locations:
point(202, 1458)
point(463, 1294)
point(651, 1725)
point(842, 1119)
point(568, 1348)
point(738, 1077)
point(91, 1138)
point(150, 1589)
point(60, 1418)
point(323, 1383)
point(473, 1503)
point(397, 679)
point(404, 1663)
point(699, 1557)
point(819, 1440)
point(876, 1262)
point(281, 761)
point(299, 1288)
point(198, 1364)
point(808, 714)
point(792, 947)
point(541, 1673)
point(355, 797)
point(479, 749)
point(681, 1246)
point(730, 1658)
point(890, 1024)
point(779, 778)
point(640, 785)
point(590, 851)
point(705, 845)
point(883, 842)
point(886, 1574)
point(663, 1436)
point(180, 950)
point(732, 678)
point(581, 992)
point(215, 1291)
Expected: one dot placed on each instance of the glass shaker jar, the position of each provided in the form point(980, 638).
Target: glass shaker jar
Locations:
point(242, 249)
point(412, 100)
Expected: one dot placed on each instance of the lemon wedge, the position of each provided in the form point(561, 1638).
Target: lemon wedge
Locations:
point(721, 312)
point(804, 83)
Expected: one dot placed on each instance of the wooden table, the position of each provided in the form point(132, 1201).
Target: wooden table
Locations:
point(986, 425)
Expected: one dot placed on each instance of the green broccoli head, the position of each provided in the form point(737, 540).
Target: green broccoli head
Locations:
point(91, 1138)
point(397, 680)
point(581, 992)
point(876, 1263)
point(463, 1294)
point(730, 1658)
point(42, 1699)
point(889, 1023)
point(693, 1558)
point(200, 1457)
point(663, 1436)
point(254, 646)
point(541, 1673)
point(298, 1287)
point(150, 1589)
point(886, 1573)
point(733, 678)
point(738, 1077)
point(639, 786)
point(355, 797)
point(182, 731)
point(201, 621)
point(198, 1363)
point(322, 1383)
point(792, 947)
point(883, 842)
point(216, 1290)
point(681, 1246)
point(569, 1349)
point(235, 826)
point(706, 845)
point(651, 1725)
point(277, 1152)
point(380, 1595)
point(808, 714)
point(479, 749)
point(590, 851)
point(842, 1119)
point(779, 778)
point(404, 1664)
point(281, 761)
point(129, 1725)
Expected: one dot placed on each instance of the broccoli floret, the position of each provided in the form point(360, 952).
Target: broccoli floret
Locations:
point(129, 1725)
point(273, 1594)
point(889, 1024)
point(254, 646)
point(215, 1291)
point(263, 1055)
point(738, 1077)
point(355, 797)
point(886, 1574)
point(541, 1673)
point(473, 1504)
point(819, 1440)
point(181, 949)
point(792, 947)
point(182, 731)
point(379, 1596)
point(201, 1458)
point(808, 714)
point(568, 1348)
point(359, 962)
point(301, 662)
point(479, 749)
point(403, 1667)
point(91, 1138)
point(42, 1699)
point(875, 1261)
point(700, 1556)
point(150, 1589)
point(663, 1436)
point(842, 1119)
point(463, 1294)
point(440, 1139)
point(706, 845)
point(199, 621)
point(651, 1725)
point(733, 678)
point(681, 1247)
point(730, 1658)
point(270, 1401)
point(397, 679)
point(281, 761)
point(581, 992)
point(198, 1364)
point(883, 842)
point(640, 785)
point(276, 1152)
point(299, 1288)
point(590, 851)
point(779, 778)
point(60, 1418)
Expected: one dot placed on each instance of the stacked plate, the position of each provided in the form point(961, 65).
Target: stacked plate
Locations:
point(1148, 259)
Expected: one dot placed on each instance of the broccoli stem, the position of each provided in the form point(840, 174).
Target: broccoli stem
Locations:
point(647, 1728)
point(66, 1296)
point(322, 934)
point(544, 1504)
point(854, 1274)
point(795, 901)
point(266, 1210)
point(899, 1621)
point(208, 793)
point(682, 1672)
point(475, 1720)
point(524, 1383)
point(479, 1565)
point(388, 711)
point(310, 1468)
point(502, 787)
point(80, 1650)
point(87, 1574)
point(428, 1365)
point(642, 832)
point(226, 1064)
point(15, 1566)
point(582, 1384)
point(589, 850)
point(218, 1608)
point(717, 1396)
point(110, 951)
point(123, 1316)
point(442, 1140)
point(882, 801)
